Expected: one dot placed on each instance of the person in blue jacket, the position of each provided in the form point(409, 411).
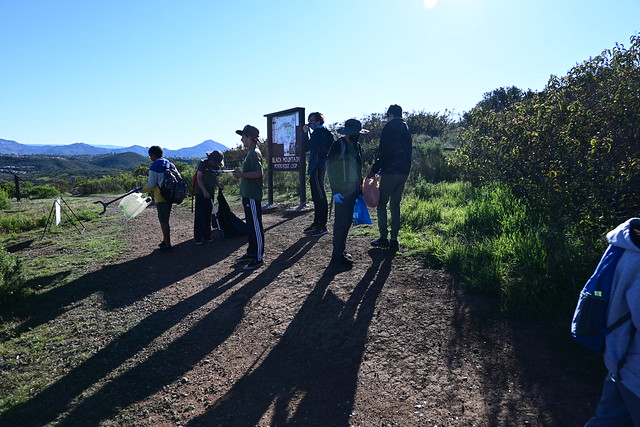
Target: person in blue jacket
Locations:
point(154, 182)
point(620, 401)
point(317, 144)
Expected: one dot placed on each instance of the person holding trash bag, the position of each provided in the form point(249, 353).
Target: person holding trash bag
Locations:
point(206, 183)
point(393, 165)
point(154, 182)
point(317, 145)
point(251, 191)
point(344, 168)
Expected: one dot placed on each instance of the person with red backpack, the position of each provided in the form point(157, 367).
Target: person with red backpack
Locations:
point(206, 182)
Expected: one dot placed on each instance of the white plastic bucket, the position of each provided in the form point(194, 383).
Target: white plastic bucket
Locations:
point(133, 204)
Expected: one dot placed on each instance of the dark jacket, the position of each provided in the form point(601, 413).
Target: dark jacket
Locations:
point(344, 168)
point(318, 146)
point(394, 152)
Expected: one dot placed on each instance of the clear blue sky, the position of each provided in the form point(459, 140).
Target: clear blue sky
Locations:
point(176, 73)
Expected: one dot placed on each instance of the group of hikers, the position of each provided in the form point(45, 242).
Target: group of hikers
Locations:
point(340, 160)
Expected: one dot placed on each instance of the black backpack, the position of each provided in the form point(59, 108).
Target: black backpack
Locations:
point(174, 188)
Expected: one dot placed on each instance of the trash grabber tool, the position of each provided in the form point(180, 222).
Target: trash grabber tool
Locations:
point(105, 204)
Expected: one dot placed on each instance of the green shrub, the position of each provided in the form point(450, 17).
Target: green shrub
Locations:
point(16, 223)
point(5, 203)
point(11, 275)
point(44, 192)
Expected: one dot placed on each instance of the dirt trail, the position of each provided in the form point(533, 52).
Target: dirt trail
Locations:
point(190, 339)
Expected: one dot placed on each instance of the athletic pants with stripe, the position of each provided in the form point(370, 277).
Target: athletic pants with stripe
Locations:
point(319, 197)
point(253, 217)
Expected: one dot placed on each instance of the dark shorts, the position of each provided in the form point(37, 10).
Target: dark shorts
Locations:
point(164, 211)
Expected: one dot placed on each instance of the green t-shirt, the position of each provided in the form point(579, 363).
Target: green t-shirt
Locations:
point(208, 178)
point(252, 188)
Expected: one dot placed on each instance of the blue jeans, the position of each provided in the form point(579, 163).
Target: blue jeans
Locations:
point(618, 406)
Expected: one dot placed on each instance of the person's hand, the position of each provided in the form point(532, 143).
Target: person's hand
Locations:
point(236, 173)
point(338, 198)
point(305, 128)
point(371, 174)
point(206, 194)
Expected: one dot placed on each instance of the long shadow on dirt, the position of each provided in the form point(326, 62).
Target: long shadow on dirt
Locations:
point(122, 284)
point(159, 369)
point(310, 377)
point(536, 357)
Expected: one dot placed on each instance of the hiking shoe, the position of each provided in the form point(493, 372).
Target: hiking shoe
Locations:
point(320, 231)
point(380, 243)
point(341, 262)
point(245, 258)
point(166, 248)
point(256, 263)
point(393, 245)
point(310, 229)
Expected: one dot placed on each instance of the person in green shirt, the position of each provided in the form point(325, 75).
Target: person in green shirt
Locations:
point(251, 191)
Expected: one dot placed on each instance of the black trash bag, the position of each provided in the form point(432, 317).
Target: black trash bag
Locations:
point(228, 223)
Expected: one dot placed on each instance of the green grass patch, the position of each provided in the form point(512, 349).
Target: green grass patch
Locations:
point(489, 239)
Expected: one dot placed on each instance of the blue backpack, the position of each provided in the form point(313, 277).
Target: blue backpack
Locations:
point(589, 325)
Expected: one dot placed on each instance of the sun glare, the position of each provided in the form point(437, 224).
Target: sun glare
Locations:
point(430, 3)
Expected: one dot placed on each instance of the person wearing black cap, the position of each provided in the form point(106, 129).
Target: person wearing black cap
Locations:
point(317, 144)
point(344, 168)
point(206, 183)
point(393, 165)
point(251, 191)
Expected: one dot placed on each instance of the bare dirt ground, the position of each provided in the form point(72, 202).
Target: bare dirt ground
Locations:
point(191, 339)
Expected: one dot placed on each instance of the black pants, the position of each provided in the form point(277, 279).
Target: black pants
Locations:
point(202, 218)
point(342, 220)
point(319, 197)
point(253, 217)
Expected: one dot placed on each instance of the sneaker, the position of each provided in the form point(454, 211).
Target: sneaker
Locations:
point(253, 264)
point(393, 245)
point(342, 261)
point(310, 229)
point(166, 248)
point(320, 231)
point(199, 242)
point(380, 243)
point(245, 258)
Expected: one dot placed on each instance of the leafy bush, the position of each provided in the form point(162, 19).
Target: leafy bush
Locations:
point(4, 200)
point(44, 192)
point(571, 152)
point(11, 275)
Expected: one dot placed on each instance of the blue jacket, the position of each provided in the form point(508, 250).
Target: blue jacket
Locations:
point(625, 298)
point(156, 179)
point(318, 146)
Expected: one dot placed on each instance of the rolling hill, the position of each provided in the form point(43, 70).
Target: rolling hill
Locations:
point(79, 149)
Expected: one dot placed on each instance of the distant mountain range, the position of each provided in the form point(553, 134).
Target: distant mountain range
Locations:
point(78, 149)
